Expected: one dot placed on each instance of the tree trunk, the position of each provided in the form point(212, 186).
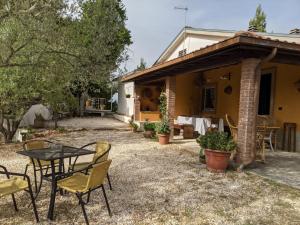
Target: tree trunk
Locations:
point(10, 130)
point(55, 118)
point(82, 104)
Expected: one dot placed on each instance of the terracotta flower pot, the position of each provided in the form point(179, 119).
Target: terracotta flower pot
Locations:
point(217, 161)
point(148, 134)
point(163, 139)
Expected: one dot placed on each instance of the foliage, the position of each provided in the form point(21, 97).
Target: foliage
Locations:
point(52, 51)
point(163, 105)
point(98, 42)
point(142, 65)
point(149, 126)
point(220, 141)
point(132, 124)
point(259, 21)
point(163, 126)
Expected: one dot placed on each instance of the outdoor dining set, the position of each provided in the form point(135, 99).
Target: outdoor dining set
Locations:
point(59, 164)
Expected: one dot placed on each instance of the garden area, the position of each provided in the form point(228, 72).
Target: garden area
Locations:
point(157, 184)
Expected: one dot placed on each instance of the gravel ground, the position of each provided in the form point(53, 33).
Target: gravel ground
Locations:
point(155, 184)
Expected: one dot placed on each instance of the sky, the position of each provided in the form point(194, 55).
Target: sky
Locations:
point(155, 23)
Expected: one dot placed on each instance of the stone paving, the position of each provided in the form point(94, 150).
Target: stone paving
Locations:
point(101, 123)
point(281, 167)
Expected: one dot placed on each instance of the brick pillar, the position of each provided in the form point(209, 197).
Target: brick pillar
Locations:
point(248, 107)
point(171, 93)
point(137, 103)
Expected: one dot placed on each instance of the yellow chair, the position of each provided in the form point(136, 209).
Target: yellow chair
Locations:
point(82, 184)
point(260, 142)
point(12, 185)
point(102, 149)
point(38, 166)
point(232, 127)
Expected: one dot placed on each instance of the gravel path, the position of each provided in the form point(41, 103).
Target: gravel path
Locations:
point(155, 184)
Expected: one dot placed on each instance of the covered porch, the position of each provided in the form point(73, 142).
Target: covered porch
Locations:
point(243, 77)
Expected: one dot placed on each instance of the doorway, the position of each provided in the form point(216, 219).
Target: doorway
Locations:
point(265, 105)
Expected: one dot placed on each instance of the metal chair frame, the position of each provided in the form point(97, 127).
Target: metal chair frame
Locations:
point(8, 174)
point(96, 161)
point(38, 168)
point(80, 195)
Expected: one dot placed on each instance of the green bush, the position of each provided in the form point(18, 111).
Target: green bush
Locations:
point(149, 126)
point(163, 127)
point(220, 141)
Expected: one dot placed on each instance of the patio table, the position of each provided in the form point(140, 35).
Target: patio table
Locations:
point(200, 124)
point(56, 152)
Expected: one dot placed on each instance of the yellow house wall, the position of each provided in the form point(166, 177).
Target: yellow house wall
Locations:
point(226, 103)
point(286, 94)
point(188, 95)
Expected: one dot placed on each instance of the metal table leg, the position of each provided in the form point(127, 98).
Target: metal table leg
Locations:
point(53, 192)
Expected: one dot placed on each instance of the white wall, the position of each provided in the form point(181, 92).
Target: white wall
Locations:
point(193, 43)
point(126, 105)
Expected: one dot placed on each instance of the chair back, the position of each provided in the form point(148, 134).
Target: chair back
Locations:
point(97, 175)
point(35, 144)
point(102, 151)
point(232, 127)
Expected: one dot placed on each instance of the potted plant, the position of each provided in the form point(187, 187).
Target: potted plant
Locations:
point(149, 130)
point(163, 128)
point(218, 147)
point(133, 125)
point(163, 132)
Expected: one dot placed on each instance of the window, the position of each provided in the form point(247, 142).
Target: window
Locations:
point(209, 98)
point(182, 52)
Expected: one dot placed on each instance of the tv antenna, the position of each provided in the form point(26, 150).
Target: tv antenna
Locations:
point(185, 9)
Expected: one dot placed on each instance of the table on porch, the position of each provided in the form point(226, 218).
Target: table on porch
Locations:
point(200, 124)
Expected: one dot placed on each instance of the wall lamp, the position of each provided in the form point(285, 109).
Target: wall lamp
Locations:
point(226, 76)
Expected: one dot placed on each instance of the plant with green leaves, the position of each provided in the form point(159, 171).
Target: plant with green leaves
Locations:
point(219, 141)
point(149, 126)
point(259, 21)
point(98, 44)
point(163, 126)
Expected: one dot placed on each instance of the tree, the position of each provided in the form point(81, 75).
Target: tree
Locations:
point(142, 65)
point(259, 21)
point(100, 38)
point(48, 53)
point(29, 30)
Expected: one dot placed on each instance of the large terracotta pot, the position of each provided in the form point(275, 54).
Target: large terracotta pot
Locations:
point(217, 161)
point(163, 139)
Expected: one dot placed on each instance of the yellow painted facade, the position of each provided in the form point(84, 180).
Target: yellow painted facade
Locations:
point(286, 97)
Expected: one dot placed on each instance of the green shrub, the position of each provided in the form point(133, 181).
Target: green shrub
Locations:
point(220, 141)
point(149, 126)
point(163, 127)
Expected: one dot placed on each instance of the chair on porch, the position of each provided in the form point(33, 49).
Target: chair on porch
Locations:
point(232, 127)
point(260, 142)
point(270, 134)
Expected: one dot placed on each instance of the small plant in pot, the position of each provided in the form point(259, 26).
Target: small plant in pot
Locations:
point(133, 125)
point(163, 127)
point(163, 132)
point(218, 147)
point(149, 130)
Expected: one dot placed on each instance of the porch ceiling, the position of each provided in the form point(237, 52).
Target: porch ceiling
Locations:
point(228, 52)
